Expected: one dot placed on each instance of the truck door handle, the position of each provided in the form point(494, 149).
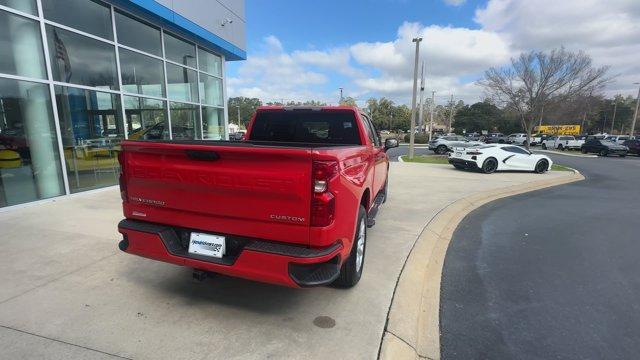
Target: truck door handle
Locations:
point(202, 155)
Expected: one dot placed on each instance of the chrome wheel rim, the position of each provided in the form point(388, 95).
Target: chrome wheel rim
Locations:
point(360, 245)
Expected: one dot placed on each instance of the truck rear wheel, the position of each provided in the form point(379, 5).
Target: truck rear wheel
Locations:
point(351, 269)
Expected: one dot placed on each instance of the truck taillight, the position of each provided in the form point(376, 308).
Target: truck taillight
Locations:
point(323, 203)
point(121, 179)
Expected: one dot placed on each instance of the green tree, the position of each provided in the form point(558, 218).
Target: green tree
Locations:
point(247, 107)
point(348, 101)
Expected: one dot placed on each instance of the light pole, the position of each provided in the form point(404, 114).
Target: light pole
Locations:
point(451, 113)
point(412, 135)
point(340, 96)
point(432, 105)
point(615, 107)
point(635, 114)
point(420, 118)
point(238, 116)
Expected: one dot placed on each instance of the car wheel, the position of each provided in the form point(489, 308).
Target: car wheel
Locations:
point(561, 148)
point(489, 166)
point(441, 150)
point(603, 153)
point(623, 155)
point(583, 150)
point(542, 166)
point(544, 146)
point(351, 269)
point(525, 143)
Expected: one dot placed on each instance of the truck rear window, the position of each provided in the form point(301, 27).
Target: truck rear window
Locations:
point(316, 127)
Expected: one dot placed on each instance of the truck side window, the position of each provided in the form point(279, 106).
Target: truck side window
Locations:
point(369, 129)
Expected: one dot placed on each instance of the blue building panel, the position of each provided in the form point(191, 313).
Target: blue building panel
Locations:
point(165, 17)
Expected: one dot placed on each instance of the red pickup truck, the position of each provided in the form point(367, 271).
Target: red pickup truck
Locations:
point(289, 205)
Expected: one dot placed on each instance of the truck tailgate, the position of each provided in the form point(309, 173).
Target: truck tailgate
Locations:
point(239, 189)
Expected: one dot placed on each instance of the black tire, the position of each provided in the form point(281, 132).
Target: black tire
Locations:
point(541, 166)
point(490, 165)
point(544, 146)
point(603, 153)
point(441, 150)
point(583, 150)
point(525, 143)
point(350, 274)
point(561, 147)
point(623, 155)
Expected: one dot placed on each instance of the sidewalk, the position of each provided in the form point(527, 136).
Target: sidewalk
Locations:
point(69, 293)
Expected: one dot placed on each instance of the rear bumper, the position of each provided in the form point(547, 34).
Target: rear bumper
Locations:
point(253, 259)
point(467, 164)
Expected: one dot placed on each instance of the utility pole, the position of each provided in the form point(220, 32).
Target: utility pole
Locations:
point(421, 121)
point(412, 135)
point(635, 114)
point(615, 107)
point(340, 96)
point(433, 104)
point(391, 121)
point(451, 113)
point(238, 116)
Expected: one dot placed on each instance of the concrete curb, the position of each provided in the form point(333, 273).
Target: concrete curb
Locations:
point(400, 158)
point(566, 154)
point(413, 323)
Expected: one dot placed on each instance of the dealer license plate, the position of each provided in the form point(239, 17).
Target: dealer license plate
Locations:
point(207, 245)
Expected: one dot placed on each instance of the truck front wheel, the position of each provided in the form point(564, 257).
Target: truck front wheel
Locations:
point(351, 269)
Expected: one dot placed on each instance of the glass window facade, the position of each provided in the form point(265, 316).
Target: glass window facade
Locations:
point(184, 121)
point(139, 35)
point(179, 51)
point(21, 45)
point(210, 90)
point(146, 118)
point(93, 17)
point(29, 158)
point(81, 60)
point(212, 123)
point(182, 83)
point(209, 62)
point(92, 129)
point(26, 6)
point(62, 119)
point(141, 74)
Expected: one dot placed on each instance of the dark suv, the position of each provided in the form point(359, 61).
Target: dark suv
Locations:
point(633, 145)
point(603, 148)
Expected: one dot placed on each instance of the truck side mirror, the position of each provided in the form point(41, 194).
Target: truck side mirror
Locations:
point(390, 143)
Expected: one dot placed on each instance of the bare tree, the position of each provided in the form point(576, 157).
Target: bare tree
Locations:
point(536, 79)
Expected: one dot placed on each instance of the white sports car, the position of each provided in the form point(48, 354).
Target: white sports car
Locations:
point(497, 157)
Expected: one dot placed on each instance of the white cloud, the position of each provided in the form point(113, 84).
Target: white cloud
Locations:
point(449, 54)
point(455, 56)
point(609, 30)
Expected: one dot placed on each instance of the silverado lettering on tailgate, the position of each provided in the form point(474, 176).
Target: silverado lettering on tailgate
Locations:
point(242, 182)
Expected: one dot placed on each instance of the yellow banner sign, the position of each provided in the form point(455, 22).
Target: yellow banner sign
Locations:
point(557, 129)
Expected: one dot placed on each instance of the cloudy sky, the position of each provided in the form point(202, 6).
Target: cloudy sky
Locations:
point(300, 50)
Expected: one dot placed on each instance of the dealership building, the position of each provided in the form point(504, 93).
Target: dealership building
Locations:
point(79, 76)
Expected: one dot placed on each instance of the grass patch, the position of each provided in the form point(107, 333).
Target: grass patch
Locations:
point(556, 167)
point(427, 159)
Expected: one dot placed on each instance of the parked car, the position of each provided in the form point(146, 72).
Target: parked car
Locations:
point(604, 148)
point(444, 144)
point(618, 139)
point(634, 146)
point(289, 205)
point(473, 136)
point(497, 157)
point(496, 138)
point(519, 139)
point(237, 136)
point(538, 139)
point(562, 142)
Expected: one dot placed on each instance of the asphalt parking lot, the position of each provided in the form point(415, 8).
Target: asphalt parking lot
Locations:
point(548, 274)
point(68, 292)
